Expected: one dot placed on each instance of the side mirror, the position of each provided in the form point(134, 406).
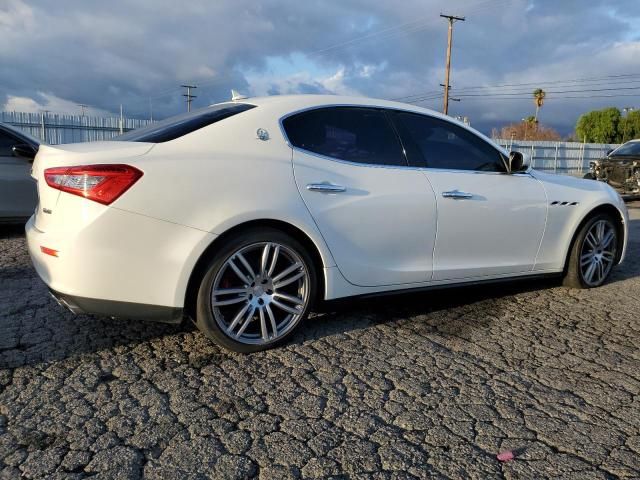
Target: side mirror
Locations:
point(25, 151)
point(516, 162)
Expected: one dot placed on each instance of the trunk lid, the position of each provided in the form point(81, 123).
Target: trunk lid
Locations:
point(49, 156)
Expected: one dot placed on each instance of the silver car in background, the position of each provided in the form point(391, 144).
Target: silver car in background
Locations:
point(18, 195)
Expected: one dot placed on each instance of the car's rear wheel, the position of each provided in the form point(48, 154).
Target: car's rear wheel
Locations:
point(593, 253)
point(256, 291)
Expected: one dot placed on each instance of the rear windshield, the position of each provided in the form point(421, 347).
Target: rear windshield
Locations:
point(179, 125)
point(631, 149)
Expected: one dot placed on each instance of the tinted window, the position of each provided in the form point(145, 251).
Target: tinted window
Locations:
point(180, 125)
point(437, 143)
point(628, 149)
point(362, 135)
point(6, 142)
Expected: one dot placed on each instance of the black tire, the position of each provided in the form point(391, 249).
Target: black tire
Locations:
point(575, 275)
point(208, 322)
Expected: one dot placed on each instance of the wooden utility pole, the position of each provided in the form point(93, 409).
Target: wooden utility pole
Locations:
point(121, 120)
point(188, 95)
point(452, 19)
point(626, 123)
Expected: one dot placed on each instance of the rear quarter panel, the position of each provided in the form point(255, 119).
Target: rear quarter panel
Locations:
point(221, 176)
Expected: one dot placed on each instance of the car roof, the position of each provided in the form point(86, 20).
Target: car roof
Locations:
point(303, 101)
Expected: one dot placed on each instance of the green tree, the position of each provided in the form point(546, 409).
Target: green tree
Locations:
point(629, 126)
point(600, 126)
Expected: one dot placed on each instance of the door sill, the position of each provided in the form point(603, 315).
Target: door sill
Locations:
point(463, 283)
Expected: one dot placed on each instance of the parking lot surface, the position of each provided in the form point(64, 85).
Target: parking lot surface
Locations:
point(414, 386)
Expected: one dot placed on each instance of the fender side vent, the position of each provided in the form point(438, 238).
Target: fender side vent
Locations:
point(564, 204)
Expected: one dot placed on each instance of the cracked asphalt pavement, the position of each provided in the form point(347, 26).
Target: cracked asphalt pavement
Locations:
point(414, 386)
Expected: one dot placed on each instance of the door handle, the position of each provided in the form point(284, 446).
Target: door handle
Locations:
point(326, 187)
point(457, 195)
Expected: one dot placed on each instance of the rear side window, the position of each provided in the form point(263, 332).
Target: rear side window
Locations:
point(175, 127)
point(354, 134)
point(434, 143)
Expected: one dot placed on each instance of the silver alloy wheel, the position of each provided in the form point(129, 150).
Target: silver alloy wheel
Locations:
point(260, 293)
point(598, 252)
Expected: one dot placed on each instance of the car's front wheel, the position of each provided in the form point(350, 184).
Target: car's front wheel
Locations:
point(257, 289)
point(593, 253)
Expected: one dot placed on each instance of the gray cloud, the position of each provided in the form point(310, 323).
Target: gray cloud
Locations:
point(134, 51)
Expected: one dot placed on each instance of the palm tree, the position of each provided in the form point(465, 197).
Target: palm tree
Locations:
point(529, 121)
point(538, 99)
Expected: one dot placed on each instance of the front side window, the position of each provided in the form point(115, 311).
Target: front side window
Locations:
point(354, 134)
point(434, 143)
point(175, 127)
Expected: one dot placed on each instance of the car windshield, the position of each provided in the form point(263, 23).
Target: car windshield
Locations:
point(626, 150)
point(179, 125)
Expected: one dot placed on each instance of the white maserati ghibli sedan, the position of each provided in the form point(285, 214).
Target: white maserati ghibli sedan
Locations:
point(243, 214)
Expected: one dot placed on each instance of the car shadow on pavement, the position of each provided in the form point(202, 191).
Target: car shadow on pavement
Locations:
point(42, 332)
point(472, 307)
point(11, 230)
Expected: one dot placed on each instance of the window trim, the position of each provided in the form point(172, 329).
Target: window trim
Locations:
point(386, 111)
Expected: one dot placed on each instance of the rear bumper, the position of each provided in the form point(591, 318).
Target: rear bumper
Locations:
point(134, 311)
point(117, 263)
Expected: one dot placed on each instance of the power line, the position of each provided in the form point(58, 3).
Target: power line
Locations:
point(615, 79)
point(560, 97)
point(556, 84)
point(385, 33)
point(508, 94)
point(406, 27)
point(461, 93)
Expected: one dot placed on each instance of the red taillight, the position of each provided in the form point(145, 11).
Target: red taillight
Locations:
point(100, 183)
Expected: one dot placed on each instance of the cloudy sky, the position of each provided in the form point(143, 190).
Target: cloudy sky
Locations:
point(56, 55)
